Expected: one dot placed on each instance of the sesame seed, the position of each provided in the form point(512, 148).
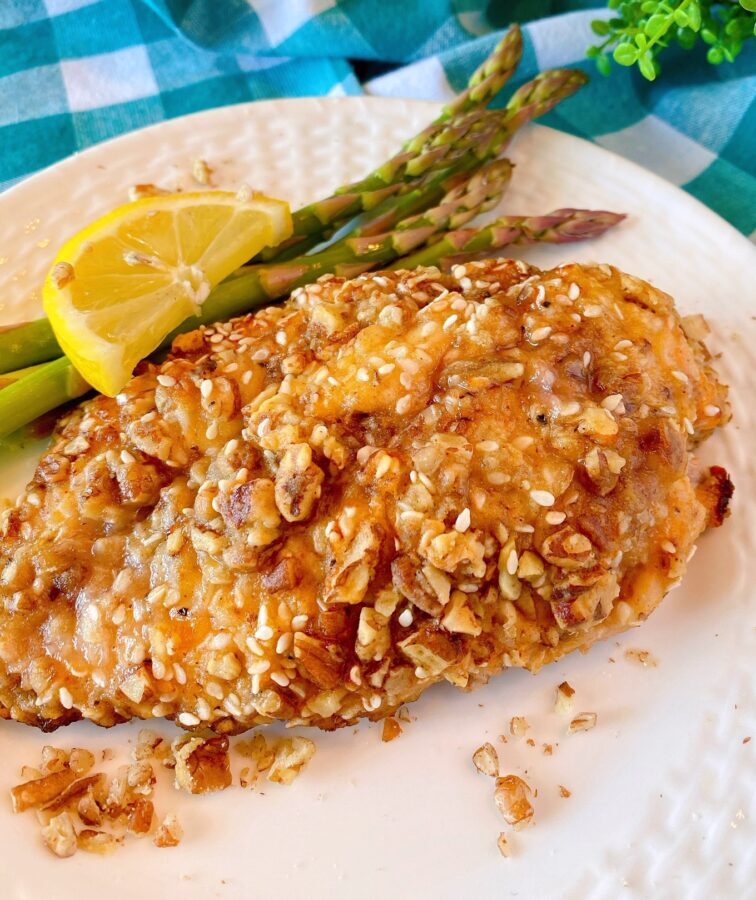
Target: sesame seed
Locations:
point(284, 643)
point(157, 595)
point(363, 375)
point(279, 679)
point(540, 333)
point(166, 380)
point(668, 547)
point(179, 672)
point(121, 399)
point(523, 441)
point(463, 521)
point(573, 292)
point(524, 529)
point(688, 425)
point(512, 561)
point(66, 700)
point(496, 478)
point(384, 463)
point(592, 311)
point(258, 667)
point(487, 446)
point(127, 458)
point(542, 498)
point(711, 410)
point(212, 431)
point(623, 344)
point(158, 669)
point(586, 359)
point(386, 369)
point(553, 517)
point(424, 479)
point(188, 719)
point(299, 622)
point(449, 323)
point(232, 704)
point(571, 408)
point(206, 388)
point(264, 633)
point(406, 618)
point(428, 329)
point(281, 338)
point(611, 402)
point(680, 376)
point(540, 294)
point(221, 641)
point(403, 404)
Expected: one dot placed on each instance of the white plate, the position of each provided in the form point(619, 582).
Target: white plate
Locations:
point(663, 789)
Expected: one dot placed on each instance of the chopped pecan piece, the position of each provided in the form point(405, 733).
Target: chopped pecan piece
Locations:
point(291, 756)
point(41, 791)
point(512, 799)
point(59, 835)
point(298, 483)
point(430, 649)
point(284, 577)
point(563, 702)
point(391, 729)
point(411, 582)
point(97, 841)
point(169, 833)
point(583, 722)
point(321, 664)
point(486, 760)
point(141, 813)
point(202, 765)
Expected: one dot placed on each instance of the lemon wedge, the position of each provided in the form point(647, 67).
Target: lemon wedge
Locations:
point(123, 283)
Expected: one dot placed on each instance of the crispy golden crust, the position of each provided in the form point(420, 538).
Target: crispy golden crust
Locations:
point(315, 512)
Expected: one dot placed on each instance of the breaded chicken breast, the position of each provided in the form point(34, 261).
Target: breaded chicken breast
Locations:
point(315, 512)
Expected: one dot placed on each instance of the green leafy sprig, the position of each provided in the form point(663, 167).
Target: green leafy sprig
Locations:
point(642, 29)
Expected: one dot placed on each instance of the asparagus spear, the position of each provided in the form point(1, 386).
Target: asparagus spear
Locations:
point(26, 345)
point(559, 227)
point(530, 101)
point(57, 382)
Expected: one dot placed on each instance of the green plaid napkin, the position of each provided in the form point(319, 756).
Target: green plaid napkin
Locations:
point(74, 72)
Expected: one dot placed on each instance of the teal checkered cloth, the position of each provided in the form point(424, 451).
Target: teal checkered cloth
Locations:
point(74, 72)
